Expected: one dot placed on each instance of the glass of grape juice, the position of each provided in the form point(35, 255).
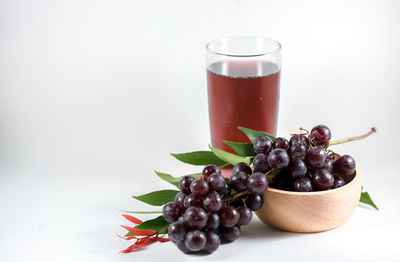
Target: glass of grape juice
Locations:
point(243, 87)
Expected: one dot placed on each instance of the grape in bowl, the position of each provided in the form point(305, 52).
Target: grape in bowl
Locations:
point(308, 212)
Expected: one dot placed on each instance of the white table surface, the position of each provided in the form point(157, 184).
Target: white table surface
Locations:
point(73, 218)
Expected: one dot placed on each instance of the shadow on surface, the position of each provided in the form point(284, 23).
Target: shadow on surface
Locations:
point(257, 229)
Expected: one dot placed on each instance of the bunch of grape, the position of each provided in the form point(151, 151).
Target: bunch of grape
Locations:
point(210, 210)
point(303, 163)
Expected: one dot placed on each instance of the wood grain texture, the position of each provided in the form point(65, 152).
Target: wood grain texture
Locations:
point(307, 212)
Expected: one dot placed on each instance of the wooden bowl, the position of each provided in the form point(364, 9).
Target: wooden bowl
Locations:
point(307, 212)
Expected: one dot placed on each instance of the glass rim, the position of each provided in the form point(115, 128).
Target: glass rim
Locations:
point(277, 49)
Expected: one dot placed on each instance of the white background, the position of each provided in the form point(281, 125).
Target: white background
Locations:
point(95, 94)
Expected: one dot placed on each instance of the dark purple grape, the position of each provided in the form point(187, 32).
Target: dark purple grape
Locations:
point(171, 212)
point(226, 190)
point(287, 187)
point(184, 184)
point(254, 202)
point(338, 182)
point(176, 232)
point(320, 135)
point(238, 202)
point(344, 165)
point(245, 216)
point(322, 179)
point(182, 247)
point(239, 181)
point(241, 167)
point(230, 234)
point(212, 243)
point(195, 240)
point(299, 139)
point(262, 145)
point(199, 188)
point(179, 200)
point(192, 201)
point(297, 150)
point(216, 182)
point(212, 202)
point(278, 159)
point(229, 216)
point(315, 157)
point(328, 165)
point(260, 163)
point(216, 231)
point(195, 218)
point(297, 168)
point(180, 219)
point(212, 221)
point(282, 180)
point(257, 183)
point(302, 184)
point(281, 143)
point(210, 169)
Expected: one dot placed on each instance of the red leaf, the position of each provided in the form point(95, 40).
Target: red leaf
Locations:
point(127, 238)
point(131, 237)
point(133, 219)
point(140, 243)
point(128, 250)
point(162, 239)
point(139, 232)
point(144, 242)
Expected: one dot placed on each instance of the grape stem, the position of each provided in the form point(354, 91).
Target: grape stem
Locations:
point(334, 153)
point(345, 140)
point(271, 174)
point(301, 134)
point(236, 196)
point(162, 230)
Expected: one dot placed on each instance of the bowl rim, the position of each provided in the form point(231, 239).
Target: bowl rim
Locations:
point(315, 193)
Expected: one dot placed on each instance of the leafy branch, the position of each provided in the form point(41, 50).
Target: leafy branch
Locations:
point(151, 230)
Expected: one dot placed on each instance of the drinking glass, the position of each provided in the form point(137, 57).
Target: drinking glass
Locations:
point(243, 87)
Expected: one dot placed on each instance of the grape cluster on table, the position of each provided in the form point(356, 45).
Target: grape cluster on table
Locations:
point(210, 211)
point(303, 163)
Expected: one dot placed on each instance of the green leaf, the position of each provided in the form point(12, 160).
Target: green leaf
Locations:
point(167, 177)
point(242, 149)
point(366, 199)
point(174, 180)
point(158, 198)
point(230, 158)
point(253, 134)
point(199, 158)
point(157, 224)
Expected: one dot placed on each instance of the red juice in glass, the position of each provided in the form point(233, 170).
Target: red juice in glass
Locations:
point(243, 88)
point(237, 99)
